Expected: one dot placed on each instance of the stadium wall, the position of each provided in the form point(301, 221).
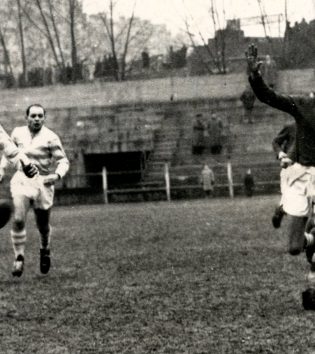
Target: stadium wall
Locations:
point(132, 117)
point(154, 90)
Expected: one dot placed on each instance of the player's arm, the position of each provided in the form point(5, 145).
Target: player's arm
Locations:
point(277, 143)
point(62, 162)
point(13, 155)
point(279, 140)
point(310, 226)
point(263, 92)
point(4, 164)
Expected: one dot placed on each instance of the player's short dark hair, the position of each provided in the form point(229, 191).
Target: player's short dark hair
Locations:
point(34, 105)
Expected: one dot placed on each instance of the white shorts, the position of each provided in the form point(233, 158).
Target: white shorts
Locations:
point(298, 189)
point(33, 189)
point(283, 183)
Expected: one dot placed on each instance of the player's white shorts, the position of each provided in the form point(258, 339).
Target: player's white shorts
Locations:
point(32, 188)
point(298, 189)
point(283, 176)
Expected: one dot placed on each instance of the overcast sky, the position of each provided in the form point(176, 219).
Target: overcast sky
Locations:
point(173, 12)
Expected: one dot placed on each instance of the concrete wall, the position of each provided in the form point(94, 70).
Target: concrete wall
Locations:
point(156, 90)
point(86, 127)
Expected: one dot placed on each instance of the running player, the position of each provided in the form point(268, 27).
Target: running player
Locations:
point(44, 149)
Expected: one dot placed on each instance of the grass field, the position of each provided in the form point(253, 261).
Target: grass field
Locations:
point(195, 277)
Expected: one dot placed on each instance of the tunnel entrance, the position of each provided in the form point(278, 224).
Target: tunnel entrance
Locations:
point(123, 169)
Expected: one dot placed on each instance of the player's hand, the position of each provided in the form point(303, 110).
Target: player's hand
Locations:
point(252, 59)
point(29, 169)
point(51, 179)
point(285, 162)
point(1, 175)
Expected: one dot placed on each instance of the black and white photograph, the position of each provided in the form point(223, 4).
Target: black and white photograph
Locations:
point(157, 176)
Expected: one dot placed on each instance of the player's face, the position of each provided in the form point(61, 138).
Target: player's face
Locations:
point(35, 119)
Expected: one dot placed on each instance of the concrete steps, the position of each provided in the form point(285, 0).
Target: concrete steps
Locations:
point(250, 144)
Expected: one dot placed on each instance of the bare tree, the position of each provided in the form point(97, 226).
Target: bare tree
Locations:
point(216, 54)
point(127, 42)
point(47, 30)
point(21, 35)
point(197, 50)
point(219, 38)
point(119, 57)
point(6, 29)
point(74, 55)
point(109, 27)
point(56, 31)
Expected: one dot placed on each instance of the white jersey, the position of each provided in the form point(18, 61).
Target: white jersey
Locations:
point(44, 150)
point(10, 149)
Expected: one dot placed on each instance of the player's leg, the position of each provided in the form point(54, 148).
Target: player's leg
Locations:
point(296, 205)
point(310, 243)
point(296, 227)
point(42, 218)
point(279, 212)
point(18, 232)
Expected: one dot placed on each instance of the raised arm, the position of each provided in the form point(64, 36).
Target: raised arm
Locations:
point(279, 140)
point(264, 93)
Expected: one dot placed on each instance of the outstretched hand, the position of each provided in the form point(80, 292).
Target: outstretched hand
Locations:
point(30, 170)
point(252, 59)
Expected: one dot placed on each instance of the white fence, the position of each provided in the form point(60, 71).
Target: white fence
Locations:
point(170, 183)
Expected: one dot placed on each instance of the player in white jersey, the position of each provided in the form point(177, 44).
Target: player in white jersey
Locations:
point(44, 149)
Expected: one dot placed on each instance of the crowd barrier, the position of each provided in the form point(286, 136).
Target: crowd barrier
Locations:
point(95, 187)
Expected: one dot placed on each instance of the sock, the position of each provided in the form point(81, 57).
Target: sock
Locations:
point(45, 240)
point(309, 239)
point(18, 242)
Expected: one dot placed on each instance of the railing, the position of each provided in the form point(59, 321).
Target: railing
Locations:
point(170, 184)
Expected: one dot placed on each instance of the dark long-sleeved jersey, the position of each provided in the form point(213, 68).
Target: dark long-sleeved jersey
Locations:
point(285, 141)
point(302, 108)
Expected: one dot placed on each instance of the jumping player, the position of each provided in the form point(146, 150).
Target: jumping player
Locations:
point(44, 149)
point(297, 199)
point(283, 145)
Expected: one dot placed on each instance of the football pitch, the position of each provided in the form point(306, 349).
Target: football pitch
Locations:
point(205, 276)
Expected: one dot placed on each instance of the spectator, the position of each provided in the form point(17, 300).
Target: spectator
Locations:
point(145, 59)
point(198, 135)
point(207, 180)
point(215, 133)
point(249, 183)
point(248, 99)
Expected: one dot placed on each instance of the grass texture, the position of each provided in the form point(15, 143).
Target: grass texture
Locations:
point(206, 276)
